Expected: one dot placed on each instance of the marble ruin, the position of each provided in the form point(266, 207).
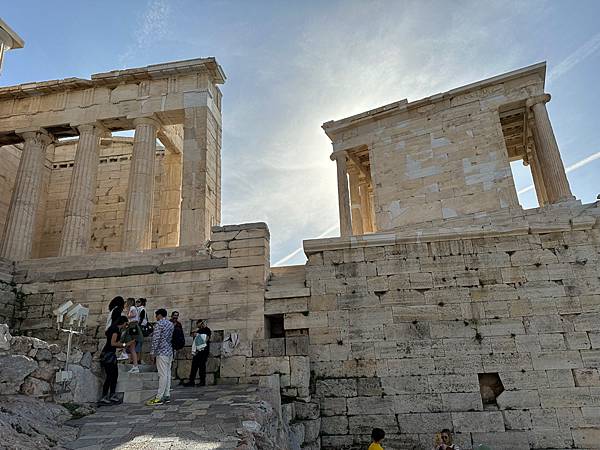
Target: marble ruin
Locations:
point(443, 304)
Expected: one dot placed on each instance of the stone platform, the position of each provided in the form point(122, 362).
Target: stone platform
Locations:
point(223, 417)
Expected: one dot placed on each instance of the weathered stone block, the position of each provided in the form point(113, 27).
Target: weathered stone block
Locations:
point(234, 366)
point(296, 345)
point(343, 387)
point(333, 406)
point(478, 421)
point(372, 405)
point(334, 425)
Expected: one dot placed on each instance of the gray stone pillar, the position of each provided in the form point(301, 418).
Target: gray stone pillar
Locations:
point(137, 227)
point(76, 232)
point(18, 231)
point(551, 165)
point(343, 194)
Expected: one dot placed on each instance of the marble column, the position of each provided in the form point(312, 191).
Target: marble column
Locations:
point(170, 201)
point(137, 227)
point(357, 220)
point(76, 232)
point(343, 194)
point(20, 222)
point(551, 165)
point(538, 178)
point(365, 205)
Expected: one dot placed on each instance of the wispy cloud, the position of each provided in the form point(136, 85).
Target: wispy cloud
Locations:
point(150, 28)
point(586, 50)
point(579, 164)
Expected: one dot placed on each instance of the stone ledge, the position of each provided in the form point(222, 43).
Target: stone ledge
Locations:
point(177, 259)
point(570, 218)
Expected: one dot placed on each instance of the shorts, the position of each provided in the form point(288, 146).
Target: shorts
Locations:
point(138, 346)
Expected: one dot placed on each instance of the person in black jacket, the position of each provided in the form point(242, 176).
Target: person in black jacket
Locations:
point(108, 359)
point(200, 353)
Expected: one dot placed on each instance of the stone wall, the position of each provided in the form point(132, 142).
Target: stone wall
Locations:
point(402, 327)
point(9, 304)
point(223, 283)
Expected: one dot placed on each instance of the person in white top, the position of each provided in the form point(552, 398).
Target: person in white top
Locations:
point(133, 334)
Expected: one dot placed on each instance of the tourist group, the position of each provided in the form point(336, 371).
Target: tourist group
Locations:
point(127, 324)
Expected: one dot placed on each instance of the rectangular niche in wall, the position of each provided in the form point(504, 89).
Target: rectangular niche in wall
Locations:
point(490, 387)
point(274, 326)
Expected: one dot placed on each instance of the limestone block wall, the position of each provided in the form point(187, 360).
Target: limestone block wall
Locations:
point(9, 304)
point(402, 328)
point(223, 283)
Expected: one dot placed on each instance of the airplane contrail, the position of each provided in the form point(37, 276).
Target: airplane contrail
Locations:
point(298, 250)
point(572, 167)
point(587, 49)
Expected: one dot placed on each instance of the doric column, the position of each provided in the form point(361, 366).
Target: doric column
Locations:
point(76, 232)
point(137, 227)
point(551, 165)
point(357, 220)
point(170, 201)
point(18, 231)
point(343, 194)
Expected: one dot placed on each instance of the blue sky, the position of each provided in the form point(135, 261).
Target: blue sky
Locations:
point(293, 65)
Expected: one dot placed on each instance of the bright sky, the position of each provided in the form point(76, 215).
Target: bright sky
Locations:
point(293, 65)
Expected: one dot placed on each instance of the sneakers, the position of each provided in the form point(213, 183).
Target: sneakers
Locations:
point(105, 401)
point(123, 356)
point(166, 400)
point(114, 398)
point(188, 384)
point(134, 369)
point(155, 401)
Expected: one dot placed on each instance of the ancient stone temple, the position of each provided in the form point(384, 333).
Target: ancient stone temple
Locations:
point(443, 304)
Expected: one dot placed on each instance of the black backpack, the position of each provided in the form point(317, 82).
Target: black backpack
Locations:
point(178, 339)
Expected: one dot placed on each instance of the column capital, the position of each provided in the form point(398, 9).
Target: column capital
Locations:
point(146, 121)
point(92, 127)
point(338, 154)
point(38, 135)
point(543, 98)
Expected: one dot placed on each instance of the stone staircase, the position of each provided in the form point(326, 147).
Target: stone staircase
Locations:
point(287, 282)
point(137, 387)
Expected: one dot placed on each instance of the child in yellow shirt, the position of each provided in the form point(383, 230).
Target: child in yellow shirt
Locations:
point(377, 436)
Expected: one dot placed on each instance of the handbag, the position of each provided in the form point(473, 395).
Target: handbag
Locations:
point(108, 358)
point(147, 329)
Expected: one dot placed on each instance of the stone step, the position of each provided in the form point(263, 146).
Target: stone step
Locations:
point(125, 367)
point(272, 293)
point(132, 385)
point(139, 396)
point(287, 274)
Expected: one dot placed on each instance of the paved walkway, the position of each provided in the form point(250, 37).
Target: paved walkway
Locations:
point(212, 417)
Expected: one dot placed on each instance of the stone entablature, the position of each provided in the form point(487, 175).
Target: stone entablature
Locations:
point(178, 103)
point(447, 155)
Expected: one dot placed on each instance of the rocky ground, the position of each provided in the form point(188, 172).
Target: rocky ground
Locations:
point(31, 423)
